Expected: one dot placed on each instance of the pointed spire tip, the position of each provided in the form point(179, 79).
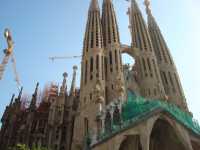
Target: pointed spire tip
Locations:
point(135, 5)
point(147, 3)
point(65, 75)
point(75, 67)
point(107, 1)
point(94, 5)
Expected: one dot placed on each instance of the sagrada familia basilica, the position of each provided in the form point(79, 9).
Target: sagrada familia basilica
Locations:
point(116, 107)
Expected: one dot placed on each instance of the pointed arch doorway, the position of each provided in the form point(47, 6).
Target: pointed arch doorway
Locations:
point(164, 137)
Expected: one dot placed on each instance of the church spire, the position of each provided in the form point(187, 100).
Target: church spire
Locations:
point(169, 75)
point(140, 35)
point(73, 85)
point(112, 60)
point(149, 78)
point(92, 69)
point(11, 101)
point(20, 95)
point(63, 88)
point(92, 73)
point(93, 35)
point(109, 23)
point(94, 5)
point(34, 99)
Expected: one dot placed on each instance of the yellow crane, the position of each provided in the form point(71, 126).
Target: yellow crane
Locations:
point(8, 53)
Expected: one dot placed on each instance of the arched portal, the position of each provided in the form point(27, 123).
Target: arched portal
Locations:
point(131, 143)
point(164, 137)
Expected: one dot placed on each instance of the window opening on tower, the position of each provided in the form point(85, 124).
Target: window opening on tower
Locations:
point(86, 124)
point(106, 67)
point(97, 65)
point(144, 66)
point(116, 60)
point(91, 68)
point(86, 66)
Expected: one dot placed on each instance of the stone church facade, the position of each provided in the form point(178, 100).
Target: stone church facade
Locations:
point(116, 108)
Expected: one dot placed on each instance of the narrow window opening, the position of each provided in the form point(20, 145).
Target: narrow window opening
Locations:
point(91, 68)
point(106, 68)
point(116, 60)
point(86, 66)
point(106, 93)
point(155, 68)
point(102, 67)
point(97, 32)
point(144, 66)
point(109, 35)
point(111, 62)
point(86, 124)
point(149, 65)
point(97, 65)
point(90, 96)
point(178, 85)
point(165, 77)
point(172, 83)
point(110, 55)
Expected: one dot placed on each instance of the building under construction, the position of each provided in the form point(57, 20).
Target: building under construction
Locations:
point(48, 123)
point(116, 108)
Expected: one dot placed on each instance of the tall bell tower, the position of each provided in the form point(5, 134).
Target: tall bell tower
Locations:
point(149, 79)
point(113, 61)
point(167, 68)
point(92, 92)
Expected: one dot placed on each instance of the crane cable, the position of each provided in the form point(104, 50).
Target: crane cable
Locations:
point(13, 60)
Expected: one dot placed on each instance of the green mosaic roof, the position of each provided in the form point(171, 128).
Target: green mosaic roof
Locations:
point(137, 108)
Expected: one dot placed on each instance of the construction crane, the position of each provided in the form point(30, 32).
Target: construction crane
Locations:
point(8, 53)
point(64, 57)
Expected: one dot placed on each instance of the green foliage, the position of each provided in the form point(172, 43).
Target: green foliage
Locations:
point(24, 147)
point(19, 147)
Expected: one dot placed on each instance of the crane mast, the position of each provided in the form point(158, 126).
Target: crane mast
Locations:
point(8, 53)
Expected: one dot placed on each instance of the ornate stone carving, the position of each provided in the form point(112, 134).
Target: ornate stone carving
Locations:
point(98, 92)
point(120, 86)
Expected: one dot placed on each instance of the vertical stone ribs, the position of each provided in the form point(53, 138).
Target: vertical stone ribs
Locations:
point(149, 77)
point(109, 23)
point(167, 68)
point(113, 65)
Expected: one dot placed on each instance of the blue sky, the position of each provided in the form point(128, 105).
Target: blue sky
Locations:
point(43, 28)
